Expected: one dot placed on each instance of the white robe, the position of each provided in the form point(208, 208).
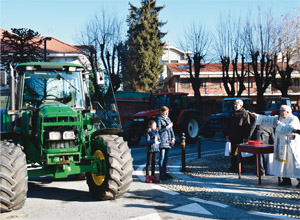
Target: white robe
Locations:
point(286, 161)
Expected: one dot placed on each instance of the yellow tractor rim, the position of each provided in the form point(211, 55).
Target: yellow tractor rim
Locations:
point(98, 180)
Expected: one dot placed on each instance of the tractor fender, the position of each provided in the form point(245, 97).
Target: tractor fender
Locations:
point(14, 136)
point(107, 131)
point(183, 113)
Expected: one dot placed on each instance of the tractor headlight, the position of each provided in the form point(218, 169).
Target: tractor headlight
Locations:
point(54, 136)
point(69, 135)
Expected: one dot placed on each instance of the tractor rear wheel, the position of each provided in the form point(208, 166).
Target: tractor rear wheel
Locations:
point(13, 177)
point(191, 128)
point(119, 168)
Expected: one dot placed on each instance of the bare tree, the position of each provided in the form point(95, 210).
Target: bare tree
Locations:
point(230, 48)
point(104, 33)
point(288, 48)
point(197, 40)
point(260, 38)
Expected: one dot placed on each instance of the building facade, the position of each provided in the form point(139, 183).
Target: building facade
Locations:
point(177, 78)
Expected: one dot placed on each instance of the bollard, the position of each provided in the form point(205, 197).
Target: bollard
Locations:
point(199, 146)
point(183, 153)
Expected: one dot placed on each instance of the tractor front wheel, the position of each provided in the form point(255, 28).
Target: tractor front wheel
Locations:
point(13, 177)
point(118, 175)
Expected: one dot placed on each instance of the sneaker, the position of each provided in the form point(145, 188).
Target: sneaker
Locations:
point(169, 176)
point(148, 180)
point(154, 179)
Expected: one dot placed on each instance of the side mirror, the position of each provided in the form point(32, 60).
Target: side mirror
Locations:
point(100, 78)
point(113, 108)
point(3, 78)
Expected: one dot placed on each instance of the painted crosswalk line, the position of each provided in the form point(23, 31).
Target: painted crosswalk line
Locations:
point(153, 216)
point(208, 202)
point(193, 208)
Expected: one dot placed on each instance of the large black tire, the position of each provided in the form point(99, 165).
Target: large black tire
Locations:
point(13, 177)
point(190, 127)
point(131, 137)
point(118, 176)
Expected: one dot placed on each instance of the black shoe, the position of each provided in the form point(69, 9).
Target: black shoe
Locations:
point(169, 176)
point(285, 182)
point(163, 178)
point(298, 185)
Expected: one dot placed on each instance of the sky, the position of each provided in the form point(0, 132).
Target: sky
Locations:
point(65, 19)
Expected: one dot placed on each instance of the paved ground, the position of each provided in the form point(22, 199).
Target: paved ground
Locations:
point(209, 182)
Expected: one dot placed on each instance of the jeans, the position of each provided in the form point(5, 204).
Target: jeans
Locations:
point(163, 160)
point(151, 158)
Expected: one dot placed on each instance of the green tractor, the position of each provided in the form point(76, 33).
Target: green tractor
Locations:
point(60, 121)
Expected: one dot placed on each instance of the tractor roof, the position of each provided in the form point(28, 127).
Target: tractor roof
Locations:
point(48, 65)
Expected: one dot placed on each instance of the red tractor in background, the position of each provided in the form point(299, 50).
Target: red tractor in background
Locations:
point(185, 119)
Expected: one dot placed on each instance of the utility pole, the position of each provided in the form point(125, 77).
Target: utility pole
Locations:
point(45, 47)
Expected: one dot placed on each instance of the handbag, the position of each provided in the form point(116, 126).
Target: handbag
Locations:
point(227, 148)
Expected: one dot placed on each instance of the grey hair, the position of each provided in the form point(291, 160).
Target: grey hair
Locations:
point(239, 101)
point(287, 108)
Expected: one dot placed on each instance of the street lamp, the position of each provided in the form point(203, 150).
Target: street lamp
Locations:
point(45, 47)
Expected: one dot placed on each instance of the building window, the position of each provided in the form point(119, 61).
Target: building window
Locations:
point(185, 83)
point(250, 85)
point(295, 82)
point(215, 85)
point(184, 67)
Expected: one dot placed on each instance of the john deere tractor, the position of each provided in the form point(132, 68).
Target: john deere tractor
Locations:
point(60, 121)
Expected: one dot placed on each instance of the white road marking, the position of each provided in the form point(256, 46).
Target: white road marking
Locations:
point(153, 216)
point(208, 202)
point(162, 189)
point(275, 216)
point(193, 208)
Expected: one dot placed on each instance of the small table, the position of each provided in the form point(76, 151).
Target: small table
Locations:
point(258, 150)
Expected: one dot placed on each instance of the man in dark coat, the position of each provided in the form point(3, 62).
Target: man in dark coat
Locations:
point(238, 130)
point(265, 135)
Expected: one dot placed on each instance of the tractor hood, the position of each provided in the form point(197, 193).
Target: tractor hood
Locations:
point(220, 115)
point(53, 109)
point(147, 114)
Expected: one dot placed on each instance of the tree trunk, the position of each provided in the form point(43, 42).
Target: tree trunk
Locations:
point(195, 81)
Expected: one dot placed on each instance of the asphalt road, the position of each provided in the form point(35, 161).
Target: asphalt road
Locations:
point(70, 199)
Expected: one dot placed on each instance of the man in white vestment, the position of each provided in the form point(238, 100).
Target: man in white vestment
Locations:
point(286, 163)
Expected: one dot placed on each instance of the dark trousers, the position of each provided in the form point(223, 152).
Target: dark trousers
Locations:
point(163, 160)
point(234, 152)
point(151, 158)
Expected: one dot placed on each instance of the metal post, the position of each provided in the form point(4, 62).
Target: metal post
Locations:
point(183, 153)
point(12, 94)
point(45, 47)
point(248, 80)
point(199, 146)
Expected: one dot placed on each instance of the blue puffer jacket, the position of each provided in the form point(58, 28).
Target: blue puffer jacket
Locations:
point(166, 135)
point(150, 139)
